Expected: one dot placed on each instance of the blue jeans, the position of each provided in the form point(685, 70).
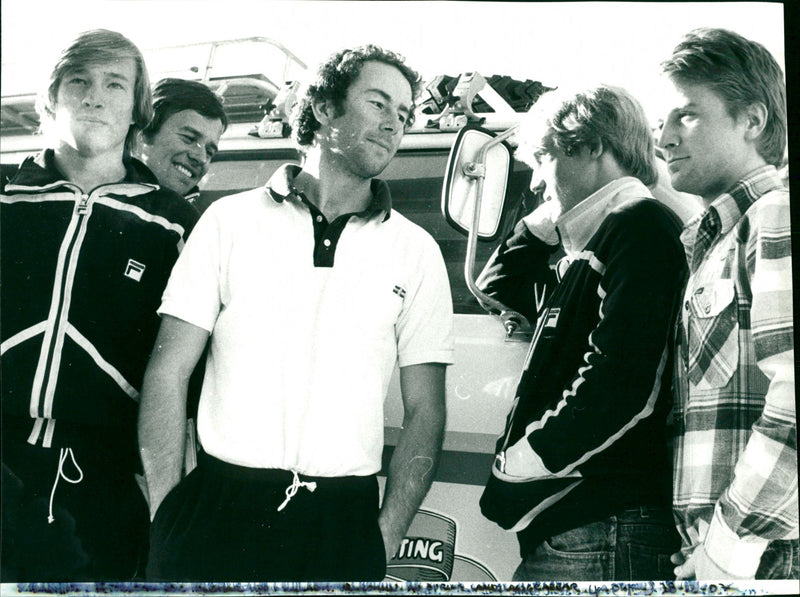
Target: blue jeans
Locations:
point(781, 560)
point(631, 545)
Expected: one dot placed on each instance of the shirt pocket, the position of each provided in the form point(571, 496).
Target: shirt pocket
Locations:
point(713, 353)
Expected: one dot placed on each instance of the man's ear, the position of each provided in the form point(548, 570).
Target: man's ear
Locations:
point(755, 116)
point(595, 148)
point(323, 110)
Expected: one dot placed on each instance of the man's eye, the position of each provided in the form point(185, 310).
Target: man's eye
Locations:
point(116, 85)
point(377, 104)
point(77, 81)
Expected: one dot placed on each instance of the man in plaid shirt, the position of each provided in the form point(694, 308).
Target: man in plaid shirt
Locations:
point(735, 489)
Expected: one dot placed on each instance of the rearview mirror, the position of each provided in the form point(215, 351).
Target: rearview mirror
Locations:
point(475, 183)
point(473, 196)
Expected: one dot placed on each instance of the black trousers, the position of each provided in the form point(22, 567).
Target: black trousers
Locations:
point(222, 524)
point(93, 530)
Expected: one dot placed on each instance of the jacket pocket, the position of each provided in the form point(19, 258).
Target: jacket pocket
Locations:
point(713, 351)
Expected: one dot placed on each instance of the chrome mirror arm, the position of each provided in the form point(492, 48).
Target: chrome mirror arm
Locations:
point(512, 321)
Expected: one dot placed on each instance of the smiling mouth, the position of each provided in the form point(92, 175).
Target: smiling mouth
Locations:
point(184, 170)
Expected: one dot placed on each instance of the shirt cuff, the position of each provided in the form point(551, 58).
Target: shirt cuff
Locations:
point(736, 555)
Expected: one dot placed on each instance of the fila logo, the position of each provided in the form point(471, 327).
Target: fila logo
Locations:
point(552, 317)
point(399, 291)
point(134, 270)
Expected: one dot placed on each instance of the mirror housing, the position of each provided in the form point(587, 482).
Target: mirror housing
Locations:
point(473, 198)
point(477, 175)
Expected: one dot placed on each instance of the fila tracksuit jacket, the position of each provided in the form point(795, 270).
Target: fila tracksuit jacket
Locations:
point(595, 391)
point(82, 277)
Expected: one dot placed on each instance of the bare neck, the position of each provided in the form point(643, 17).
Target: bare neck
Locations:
point(331, 188)
point(89, 172)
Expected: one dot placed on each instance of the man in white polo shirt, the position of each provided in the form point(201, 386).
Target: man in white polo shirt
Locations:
point(312, 289)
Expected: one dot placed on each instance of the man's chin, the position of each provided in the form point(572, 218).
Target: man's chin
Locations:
point(181, 189)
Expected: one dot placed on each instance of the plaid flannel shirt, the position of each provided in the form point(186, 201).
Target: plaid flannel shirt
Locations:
point(735, 486)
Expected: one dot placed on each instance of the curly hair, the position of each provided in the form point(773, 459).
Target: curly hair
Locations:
point(604, 113)
point(741, 72)
point(333, 79)
point(171, 96)
point(99, 46)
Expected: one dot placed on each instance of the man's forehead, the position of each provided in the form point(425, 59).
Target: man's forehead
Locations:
point(121, 66)
point(196, 123)
point(379, 77)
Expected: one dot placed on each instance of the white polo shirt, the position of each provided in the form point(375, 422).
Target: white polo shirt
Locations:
point(307, 321)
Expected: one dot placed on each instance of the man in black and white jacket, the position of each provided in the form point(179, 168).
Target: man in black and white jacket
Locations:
point(582, 472)
point(89, 239)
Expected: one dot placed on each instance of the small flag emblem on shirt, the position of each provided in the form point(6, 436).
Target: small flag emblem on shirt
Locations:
point(399, 291)
point(134, 270)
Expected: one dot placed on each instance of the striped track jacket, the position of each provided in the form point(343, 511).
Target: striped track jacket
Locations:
point(83, 276)
point(594, 395)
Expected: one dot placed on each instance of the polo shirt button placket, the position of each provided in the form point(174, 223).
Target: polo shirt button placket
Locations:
point(327, 243)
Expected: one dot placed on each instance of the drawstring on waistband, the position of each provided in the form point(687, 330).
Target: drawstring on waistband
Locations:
point(292, 489)
point(61, 458)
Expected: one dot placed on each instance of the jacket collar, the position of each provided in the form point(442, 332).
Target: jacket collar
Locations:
point(281, 187)
point(40, 170)
point(577, 226)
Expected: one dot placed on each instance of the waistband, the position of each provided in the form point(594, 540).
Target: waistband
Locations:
point(279, 477)
point(68, 433)
point(644, 513)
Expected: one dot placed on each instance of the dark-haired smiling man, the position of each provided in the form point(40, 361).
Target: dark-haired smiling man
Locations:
point(183, 137)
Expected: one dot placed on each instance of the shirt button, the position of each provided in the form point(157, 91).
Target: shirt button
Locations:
point(327, 243)
point(319, 218)
point(686, 306)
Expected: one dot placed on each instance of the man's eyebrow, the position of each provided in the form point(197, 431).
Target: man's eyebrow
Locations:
point(685, 106)
point(116, 75)
point(196, 134)
point(388, 98)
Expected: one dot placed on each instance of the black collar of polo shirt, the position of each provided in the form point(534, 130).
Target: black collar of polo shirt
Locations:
point(281, 186)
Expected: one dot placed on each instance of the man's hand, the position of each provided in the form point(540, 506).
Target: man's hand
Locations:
point(391, 541)
point(542, 221)
point(699, 566)
point(162, 406)
point(684, 569)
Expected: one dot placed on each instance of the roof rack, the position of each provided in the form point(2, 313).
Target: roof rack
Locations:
point(247, 98)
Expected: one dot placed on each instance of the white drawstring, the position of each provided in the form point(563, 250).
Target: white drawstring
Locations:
point(292, 489)
point(61, 458)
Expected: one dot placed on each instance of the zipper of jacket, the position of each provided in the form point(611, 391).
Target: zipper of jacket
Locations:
point(47, 388)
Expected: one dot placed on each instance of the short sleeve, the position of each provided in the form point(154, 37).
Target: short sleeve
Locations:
point(193, 291)
point(425, 325)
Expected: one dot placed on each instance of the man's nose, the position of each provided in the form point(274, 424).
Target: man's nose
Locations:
point(391, 121)
point(92, 96)
point(198, 153)
point(537, 183)
point(667, 137)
